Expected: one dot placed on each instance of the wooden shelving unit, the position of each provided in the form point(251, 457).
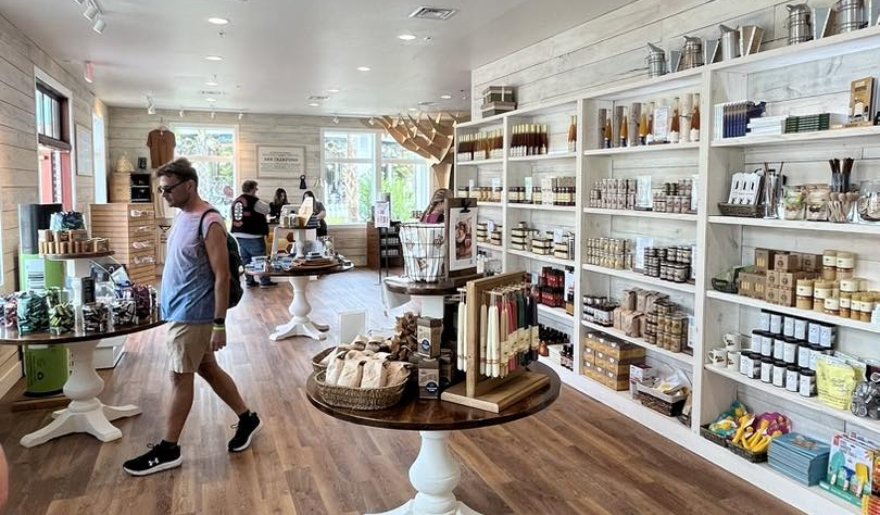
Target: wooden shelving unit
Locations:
point(131, 229)
point(785, 77)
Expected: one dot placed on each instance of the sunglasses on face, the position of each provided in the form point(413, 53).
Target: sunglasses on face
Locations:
point(167, 189)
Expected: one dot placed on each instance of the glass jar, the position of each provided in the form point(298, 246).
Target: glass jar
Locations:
point(779, 369)
point(807, 383)
point(792, 378)
point(767, 370)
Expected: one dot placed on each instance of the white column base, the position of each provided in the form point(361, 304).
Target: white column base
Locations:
point(85, 413)
point(434, 475)
point(300, 324)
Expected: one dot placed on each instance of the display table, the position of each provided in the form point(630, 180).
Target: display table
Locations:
point(85, 413)
point(300, 324)
point(426, 299)
point(435, 473)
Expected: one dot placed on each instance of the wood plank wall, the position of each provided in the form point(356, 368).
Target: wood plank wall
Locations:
point(129, 127)
point(18, 149)
point(612, 48)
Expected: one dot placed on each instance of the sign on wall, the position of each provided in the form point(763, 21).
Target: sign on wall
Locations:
point(84, 150)
point(283, 162)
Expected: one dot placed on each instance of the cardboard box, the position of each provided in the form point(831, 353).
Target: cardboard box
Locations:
point(615, 382)
point(811, 262)
point(772, 296)
point(760, 286)
point(787, 262)
point(639, 372)
point(622, 350)
point(589, 355)
point(764, 258)
point(773, 278)
point(429, 379)
point(788, 280)
point(787, 297)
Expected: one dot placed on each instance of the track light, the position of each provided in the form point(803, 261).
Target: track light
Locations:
point(99, 26)
point(89, 72)
point(180, 113)
point(240, 116)
point(151, 110)
point(80, 2)
point(335, 120)
point(213, 115)
point(91, 12)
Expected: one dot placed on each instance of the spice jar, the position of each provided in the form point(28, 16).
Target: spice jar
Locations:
point(866, 307)
point(790, 350)
point(846, 263)
point(788, 326)
point(775, 323)
point(767, 370)
point(829, 265)
point(821, 291)
point(804, 293)
point(792, 378)
point(779, 369)
point(766, 345)
point(807, 383)
point(804, 356)
point(832, 306)
point(779, 348)
point(845, 304)
point(800, 329)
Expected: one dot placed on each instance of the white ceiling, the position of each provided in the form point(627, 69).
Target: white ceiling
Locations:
point(279, 52)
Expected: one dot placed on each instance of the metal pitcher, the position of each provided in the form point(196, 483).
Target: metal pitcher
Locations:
point(656, 61)
point(850, 15)
point(729, 43)
point(692, 53)
point(799, 24)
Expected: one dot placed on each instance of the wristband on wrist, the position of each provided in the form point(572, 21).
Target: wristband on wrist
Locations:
point(219, 328)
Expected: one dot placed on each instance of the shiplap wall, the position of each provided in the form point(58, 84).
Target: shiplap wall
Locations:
point(128, 130)
point(18, 149)
point(612, 48)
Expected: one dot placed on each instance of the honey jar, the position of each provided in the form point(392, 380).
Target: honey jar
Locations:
point(829, 265)
point(845, 263)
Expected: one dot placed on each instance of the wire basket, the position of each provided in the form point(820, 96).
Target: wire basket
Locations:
point(317, 366)
point(366, 399)
point(424, 251)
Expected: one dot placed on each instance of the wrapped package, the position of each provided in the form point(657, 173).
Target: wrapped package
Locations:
point(33, 313)
point(352, 373)
point(373, 374)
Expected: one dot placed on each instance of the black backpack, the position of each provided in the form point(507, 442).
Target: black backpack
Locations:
point(235, 290)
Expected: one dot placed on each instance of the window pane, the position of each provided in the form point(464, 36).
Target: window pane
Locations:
point(401, 182)
point(41, 129)
point(349, 145)
point(216, 184)
point(206, 142)
point(350, 192)
point(392, 150)
point(56, 119)
point(335, 145)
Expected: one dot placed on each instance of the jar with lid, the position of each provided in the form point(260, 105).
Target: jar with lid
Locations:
point(792, 378)
point(832, 306)
point(804, 352)
point(846, 263)
point(788, 326)
point(497, 193)
point(790, 350)
point(779, 369)
point(867, 306)
point(829, 265)
point(845, 304)
point(537, 196)
point(767, 370)
point(775, 323)
point(800, 329)
point(807, 383)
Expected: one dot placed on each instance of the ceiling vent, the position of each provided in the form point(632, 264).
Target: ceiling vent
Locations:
point(209, 93)
point(433, 13)
point(317, 98)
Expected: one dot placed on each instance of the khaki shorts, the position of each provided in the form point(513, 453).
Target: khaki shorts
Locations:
point(189, 345)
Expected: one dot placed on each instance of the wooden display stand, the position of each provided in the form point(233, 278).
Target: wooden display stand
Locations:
point(484, 393)
point(131, 229)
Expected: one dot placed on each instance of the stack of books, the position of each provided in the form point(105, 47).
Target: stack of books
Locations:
point(800, 458)
point(732, 118)
point(767, 126)
point(808, 123)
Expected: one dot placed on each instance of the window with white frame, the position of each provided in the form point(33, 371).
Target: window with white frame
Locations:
point(211, 150)
point(360, 163)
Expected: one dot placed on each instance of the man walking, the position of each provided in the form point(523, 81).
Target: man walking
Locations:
point(250, 228)
point(195, 295)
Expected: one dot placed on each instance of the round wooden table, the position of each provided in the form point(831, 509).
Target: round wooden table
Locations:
point(428, 298)
point(85, 413)
point(435, 473)
point(300, 324)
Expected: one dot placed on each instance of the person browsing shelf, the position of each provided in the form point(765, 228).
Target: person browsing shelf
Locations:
point(250, 228)
point(319, 212)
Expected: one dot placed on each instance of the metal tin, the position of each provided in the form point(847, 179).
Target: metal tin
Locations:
point(692, 53)
point(656, 61)
point(729, 43)
point(799, 24)
point(850, 15)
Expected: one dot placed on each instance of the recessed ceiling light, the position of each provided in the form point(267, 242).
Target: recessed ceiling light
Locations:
point(363, 68)
point(211, 83)
point(209, 99)
point(314, 104)
point(216, 20)
point(214, 58)
point(445, 97)
point(333, 90)
point(406, 37)
point(413, 109)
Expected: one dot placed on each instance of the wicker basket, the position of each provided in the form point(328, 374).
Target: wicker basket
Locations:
point(749, 455)
point(741, 210)
point(316, 360)
point(712, 437)
point(424, 251)
point(366, 399)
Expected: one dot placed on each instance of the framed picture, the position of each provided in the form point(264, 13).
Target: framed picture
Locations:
point(281, 162)
point(461, 227)
point(84, 151)
point(861, 102)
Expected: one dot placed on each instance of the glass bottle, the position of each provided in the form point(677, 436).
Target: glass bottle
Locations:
point(674, 124)
point(695, 119)
point(643, 125)
point(649, 137)
point(624, 129)
point(607, 134)
point(572, 134)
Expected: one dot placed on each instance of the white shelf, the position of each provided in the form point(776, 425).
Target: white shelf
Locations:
point(478, 162)
point(797, 225)
point(483, 203)
point(812, 500)
point(831, 46)
point(812, 403)
point(496, 248)
point(542, 207)
point(539, 257)
point(632, 276)
point(640, 214)
point(798, 137)
point(802, 313)
point(668, 147)
point(685, 359)
point(543, 157)
point(555, 312)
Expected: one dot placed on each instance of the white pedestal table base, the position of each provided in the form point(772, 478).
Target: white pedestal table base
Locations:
point(434, 475)
point(300, 324)
point(85, 413)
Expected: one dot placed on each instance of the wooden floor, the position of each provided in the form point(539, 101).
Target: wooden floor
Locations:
point(576, 457)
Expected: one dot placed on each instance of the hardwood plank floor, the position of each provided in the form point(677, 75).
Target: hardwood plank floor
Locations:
point(575, 457)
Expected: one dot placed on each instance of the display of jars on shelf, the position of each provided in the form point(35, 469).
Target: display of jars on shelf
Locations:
point(529, 139)
point(480, 146)
point(638, 194)
point(669, 264)
point(524, 238)
point(615, 253)
point(481, 193)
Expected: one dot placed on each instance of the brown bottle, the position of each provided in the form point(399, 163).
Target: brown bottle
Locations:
point(695, 119)
point(624, 130)
point(608, 132)
point(643, 125)
point(675, 126)
point(572, 134)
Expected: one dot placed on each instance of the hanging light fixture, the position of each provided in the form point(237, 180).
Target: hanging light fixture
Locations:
point(91, 11)
point(240, 116)
point(99, 26)
point(89, 72)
